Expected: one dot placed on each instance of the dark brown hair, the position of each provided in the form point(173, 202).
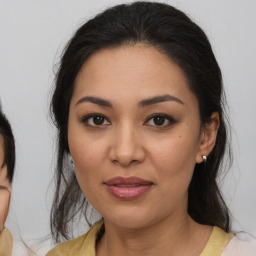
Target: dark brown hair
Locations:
point(9, 145)
point(173, 33)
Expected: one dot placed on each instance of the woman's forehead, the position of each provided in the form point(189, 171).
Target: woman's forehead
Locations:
point(130, 72)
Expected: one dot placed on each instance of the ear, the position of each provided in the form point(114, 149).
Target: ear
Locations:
point(208, 137)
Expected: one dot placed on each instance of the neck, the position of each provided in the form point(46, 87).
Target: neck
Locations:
point(179, 237)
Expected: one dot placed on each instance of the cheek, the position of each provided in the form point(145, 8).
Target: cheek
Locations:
point(175, 160)
point(175, 164)
point(4, 181)
point(89, 156)
point(86, 156)
point(84, 150)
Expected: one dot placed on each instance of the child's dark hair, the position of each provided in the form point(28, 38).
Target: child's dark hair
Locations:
point(9, 145)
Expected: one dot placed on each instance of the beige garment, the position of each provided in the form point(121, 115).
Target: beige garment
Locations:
point(85, 244)
point(6, 242)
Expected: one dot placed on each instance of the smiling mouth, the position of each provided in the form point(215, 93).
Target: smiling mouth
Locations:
point(127, 188)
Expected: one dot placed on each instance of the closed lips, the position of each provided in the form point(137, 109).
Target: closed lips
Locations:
point(117, 181)
point(127, 188)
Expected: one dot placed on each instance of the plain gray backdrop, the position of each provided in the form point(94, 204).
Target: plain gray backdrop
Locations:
point(32, 36)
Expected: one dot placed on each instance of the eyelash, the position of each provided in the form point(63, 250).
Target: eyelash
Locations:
point(170, 120)
point(86, 119)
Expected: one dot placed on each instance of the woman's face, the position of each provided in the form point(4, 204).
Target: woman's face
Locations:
point(134, 135)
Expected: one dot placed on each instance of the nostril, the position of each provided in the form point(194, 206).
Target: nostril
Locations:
point(127, 158)
point(126, 147)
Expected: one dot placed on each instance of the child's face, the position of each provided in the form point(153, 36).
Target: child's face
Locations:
point(4, 182)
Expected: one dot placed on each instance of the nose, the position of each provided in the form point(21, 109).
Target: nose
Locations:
point(127, 147)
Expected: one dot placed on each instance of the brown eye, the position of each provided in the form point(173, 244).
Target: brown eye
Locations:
point(98, 120)
point(160, 120)
point(94, 120)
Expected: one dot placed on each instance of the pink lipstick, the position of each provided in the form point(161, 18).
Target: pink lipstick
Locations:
point(127, 188)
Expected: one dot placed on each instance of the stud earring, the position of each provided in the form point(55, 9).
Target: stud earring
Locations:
point(71, 161)
point(204, 158)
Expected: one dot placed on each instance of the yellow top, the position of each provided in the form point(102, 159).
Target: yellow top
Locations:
point(85, 244)
point(217, 242)
point(6, 243)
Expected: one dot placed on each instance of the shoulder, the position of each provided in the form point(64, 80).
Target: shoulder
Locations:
point(84, 244)
point(68, 247)
point(6, 242)
point(241, 244)
point(217, 242)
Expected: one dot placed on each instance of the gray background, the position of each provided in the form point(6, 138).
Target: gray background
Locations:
point(32, 35)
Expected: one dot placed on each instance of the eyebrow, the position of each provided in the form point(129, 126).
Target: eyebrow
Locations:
point(143, 103)
point(95, 100)
point(159, 99)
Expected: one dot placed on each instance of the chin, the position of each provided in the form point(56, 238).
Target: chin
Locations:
point(129, 219)
point(128, 223)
